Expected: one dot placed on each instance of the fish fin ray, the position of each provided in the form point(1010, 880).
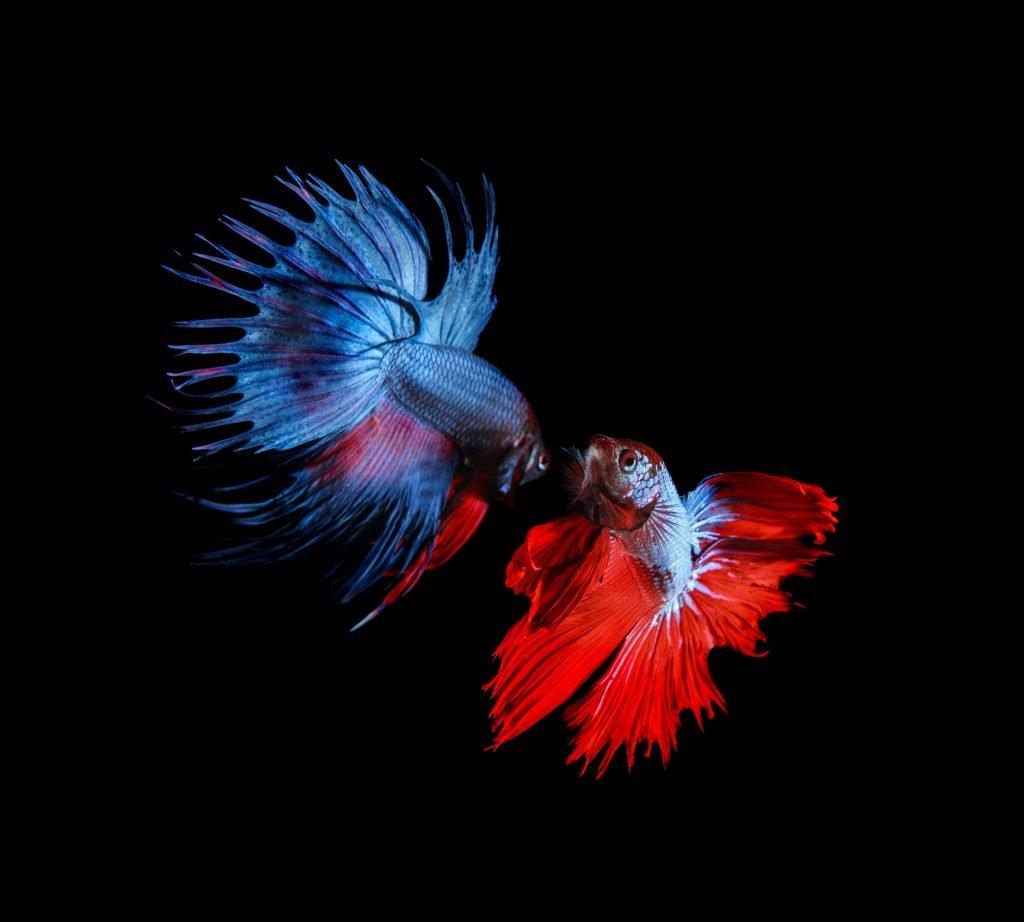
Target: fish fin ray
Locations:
point(751, 529)
point(307, 363)
point(542, 661)
point(376, 497)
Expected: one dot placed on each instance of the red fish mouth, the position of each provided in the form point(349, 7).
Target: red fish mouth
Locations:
point(594, 498)
point(578, 473)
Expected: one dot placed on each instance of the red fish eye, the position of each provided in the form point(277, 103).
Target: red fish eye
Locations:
point(543, 460)
point(627, 459)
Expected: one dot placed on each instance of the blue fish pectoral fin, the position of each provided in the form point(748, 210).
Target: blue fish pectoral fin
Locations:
point(509, 476)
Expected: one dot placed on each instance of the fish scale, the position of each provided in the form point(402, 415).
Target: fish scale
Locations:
point(459, 394)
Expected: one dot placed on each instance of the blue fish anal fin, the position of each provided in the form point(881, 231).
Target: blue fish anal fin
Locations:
point(373, 498)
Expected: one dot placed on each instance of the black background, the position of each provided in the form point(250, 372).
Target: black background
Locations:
point(699, 288)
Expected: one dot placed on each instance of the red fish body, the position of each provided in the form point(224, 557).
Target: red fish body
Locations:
point(655, 580)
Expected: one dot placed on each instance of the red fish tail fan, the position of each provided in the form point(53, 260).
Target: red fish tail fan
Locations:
point(660, 671)
point(584, 599)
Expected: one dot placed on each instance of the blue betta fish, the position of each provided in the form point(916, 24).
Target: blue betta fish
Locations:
point(397, 435)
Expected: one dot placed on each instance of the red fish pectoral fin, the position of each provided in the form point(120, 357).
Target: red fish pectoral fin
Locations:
point(557, 564)
point(660, 671)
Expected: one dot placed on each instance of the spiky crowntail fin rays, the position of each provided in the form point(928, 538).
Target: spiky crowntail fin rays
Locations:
point(748, 528)
point(304, 379)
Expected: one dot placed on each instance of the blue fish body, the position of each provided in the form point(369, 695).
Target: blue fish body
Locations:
point(468, 399)
point(396, 434)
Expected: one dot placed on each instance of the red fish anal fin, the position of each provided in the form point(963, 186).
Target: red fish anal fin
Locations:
point(660, 671)
point(542, 665)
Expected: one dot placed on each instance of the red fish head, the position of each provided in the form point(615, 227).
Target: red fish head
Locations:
point(616, 482)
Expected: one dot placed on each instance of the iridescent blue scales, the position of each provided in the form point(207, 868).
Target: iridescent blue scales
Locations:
point(397, 436)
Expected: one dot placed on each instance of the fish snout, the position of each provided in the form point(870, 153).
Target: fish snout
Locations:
point(603, 445)
point(599, 449)
point(538, 463)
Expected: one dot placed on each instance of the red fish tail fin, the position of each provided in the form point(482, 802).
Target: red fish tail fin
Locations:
point(583, 602)
point(660, 671)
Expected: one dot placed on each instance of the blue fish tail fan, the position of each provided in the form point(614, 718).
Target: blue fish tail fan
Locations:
point(304, 382)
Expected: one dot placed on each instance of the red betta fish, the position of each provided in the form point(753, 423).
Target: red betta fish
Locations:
point(656, 579)
point(395, 435)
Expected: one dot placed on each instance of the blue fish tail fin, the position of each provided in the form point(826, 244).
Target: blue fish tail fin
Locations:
point(300, 374)
point(307, 363)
